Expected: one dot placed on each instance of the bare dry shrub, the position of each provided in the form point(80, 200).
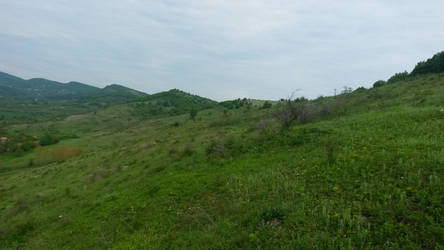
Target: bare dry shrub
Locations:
point(291, 111)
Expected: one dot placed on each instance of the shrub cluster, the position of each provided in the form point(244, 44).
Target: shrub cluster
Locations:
point(23, 143)
point(291, 111)
point(236, 104)
point(48, 139)
point(432, 65)
point(267, 105)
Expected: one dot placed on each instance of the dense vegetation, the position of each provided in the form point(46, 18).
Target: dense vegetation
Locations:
point(432, 65)
point(362, 169)
point(36, 100)
point(172, 102)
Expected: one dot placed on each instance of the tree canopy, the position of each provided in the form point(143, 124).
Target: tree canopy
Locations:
point(432, 65)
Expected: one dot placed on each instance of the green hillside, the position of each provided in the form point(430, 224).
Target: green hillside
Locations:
point(38, 99)
point(41, 89)
point(360, 170)
point(15, 89)
point(172, 102)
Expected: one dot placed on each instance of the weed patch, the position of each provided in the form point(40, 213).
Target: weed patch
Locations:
point(47, 155)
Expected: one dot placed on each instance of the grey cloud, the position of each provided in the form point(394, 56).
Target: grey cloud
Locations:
point(219, 49)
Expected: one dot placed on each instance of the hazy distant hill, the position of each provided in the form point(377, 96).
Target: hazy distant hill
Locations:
point(40, 99)
point(13, 88)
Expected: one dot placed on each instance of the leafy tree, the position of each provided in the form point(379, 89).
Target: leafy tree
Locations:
point(398, 77)
point(379, 83)
point(48, 139)
point(236, 104)
point(193, 113)
point(432, 65)
point(28, 145)
point(267, 105)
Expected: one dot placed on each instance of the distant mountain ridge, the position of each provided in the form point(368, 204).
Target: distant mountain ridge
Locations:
point(13, 88)
point(40, 99)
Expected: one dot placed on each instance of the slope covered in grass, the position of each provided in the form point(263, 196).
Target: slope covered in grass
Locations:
point(172, 102)
point(38, 99)
point(366, 172)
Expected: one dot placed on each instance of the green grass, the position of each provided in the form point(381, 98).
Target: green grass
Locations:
point(368, 175)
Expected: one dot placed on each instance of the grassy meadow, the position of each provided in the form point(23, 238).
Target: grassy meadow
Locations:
point(365, 172)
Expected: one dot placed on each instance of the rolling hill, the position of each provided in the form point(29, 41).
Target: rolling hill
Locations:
point(172, 102)
point(35, 89)
point(40, 99)
point(360, 170)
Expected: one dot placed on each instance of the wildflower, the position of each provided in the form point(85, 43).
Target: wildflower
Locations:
point(336, 215)
point(409, 188)
point(252, 235)
point(335, 188)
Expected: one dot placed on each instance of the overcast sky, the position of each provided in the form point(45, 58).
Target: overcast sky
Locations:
point(262, 49)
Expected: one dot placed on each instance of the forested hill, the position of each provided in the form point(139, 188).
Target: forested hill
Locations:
point(432, 65)
point(16, 89)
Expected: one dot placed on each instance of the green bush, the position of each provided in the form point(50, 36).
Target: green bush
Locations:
point(267, 105)
point(48, 139)
point(274, 214)
point(398, 77)
point(379, 83)
point(28, 145)
point(193, 114)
